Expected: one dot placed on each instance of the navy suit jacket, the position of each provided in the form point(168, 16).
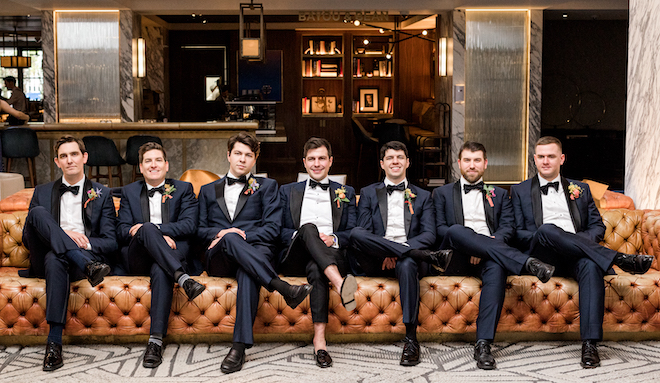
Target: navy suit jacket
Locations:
point(98, 218)
point(448, 204)
point(179, 214)
point(420, 226)
point(259, 215)
point(528, 211)
point(343, 217)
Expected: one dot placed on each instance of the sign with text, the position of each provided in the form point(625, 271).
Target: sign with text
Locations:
point(337, 16)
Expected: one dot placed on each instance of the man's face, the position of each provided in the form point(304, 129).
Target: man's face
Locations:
point(472, 165)
point(395, 164)
point(71, 160)
point(318, 163)
point(241, 159)
point(548, 160)
point(154, 167)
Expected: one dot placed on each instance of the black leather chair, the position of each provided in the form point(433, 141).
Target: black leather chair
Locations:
point(102, 151)
point(21, 143)
point(132, 148)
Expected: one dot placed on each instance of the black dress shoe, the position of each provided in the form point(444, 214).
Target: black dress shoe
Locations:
point(323, 359)
point(193, 288)
point(297, 294)
point(153, 357)
point(410, 355)
point(438, 259)
point(53, 358)
point(482, 355)
point(633, 263)
point(542, 270)
point(590, 357)
point(233, 361)
point(95, 271)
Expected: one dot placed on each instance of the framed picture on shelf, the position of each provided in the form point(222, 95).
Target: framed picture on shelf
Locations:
point(368, 100)
point(324, 104)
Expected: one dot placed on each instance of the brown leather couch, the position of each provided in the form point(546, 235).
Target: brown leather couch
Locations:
point(449, 305)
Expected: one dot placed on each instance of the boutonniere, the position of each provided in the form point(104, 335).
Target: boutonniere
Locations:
point(92, 194)
point(340, 196)
point(167, 192)
point(489, 190)
point(409, 196)
point(574, 191)
point(253, 186)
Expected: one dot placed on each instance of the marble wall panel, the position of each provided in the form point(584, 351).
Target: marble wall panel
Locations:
point(207, 154)
point(48, 66)
point(126, 66)
point(155, 80)
point(642, 163)
point(535, 77)
point(458, 109)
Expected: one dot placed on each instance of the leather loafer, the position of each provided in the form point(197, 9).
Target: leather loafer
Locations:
point(483, 356)
point(542, 270)
point(297, 294)
point(590, 357)
point(233, 361)
point(153, 357)
point(323, 359)
point(95, 271)
point(410, 355)
point(53, 358)
point(633, 263)
point(193, 288)
point(438, 259)
point(347, 293)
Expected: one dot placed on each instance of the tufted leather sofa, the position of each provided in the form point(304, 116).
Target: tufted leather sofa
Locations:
point(449, 305)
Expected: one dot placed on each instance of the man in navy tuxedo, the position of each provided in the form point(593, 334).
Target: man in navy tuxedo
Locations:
point(317, 217)
point(239, 221)
point(557, 221)
point(395, 229)
point(69, 231)
point(476, 221)
point(156, 219)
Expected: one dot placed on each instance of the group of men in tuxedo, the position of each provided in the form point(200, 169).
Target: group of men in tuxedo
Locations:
point(250, 230)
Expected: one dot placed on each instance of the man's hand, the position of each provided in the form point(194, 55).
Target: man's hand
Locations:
point(327, 239)
point(80, 239)
point(223, 232)
point(170, 242)
point(475, 260)
point(134, 229)
point(389, 263)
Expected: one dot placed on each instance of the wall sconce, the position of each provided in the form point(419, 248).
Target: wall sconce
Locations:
point(442, 59)
point(141, 59)
point(252, 48)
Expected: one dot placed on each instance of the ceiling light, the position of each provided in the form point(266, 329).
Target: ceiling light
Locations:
point(388, 56)
point(381, 30)
point(565, 15)
point(425, 32)
point(357, 23)
point(365, 41)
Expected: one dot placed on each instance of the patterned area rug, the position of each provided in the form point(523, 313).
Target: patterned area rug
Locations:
point(538, 362)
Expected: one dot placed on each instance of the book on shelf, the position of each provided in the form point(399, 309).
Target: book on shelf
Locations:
point(265, 131)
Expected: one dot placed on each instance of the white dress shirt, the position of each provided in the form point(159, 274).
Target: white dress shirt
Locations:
point(317, 209)
point(555, 207)
point(155, 205)
point(71, 209)
point(474, 213)
point(232, 192)
point(396, 225)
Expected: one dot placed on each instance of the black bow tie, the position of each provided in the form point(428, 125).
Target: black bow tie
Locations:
point(478, 186)
point(153, 191)
point(241, 179)
point(546, 187)
point(399, 187)
point(72, 189)
point(313, 184)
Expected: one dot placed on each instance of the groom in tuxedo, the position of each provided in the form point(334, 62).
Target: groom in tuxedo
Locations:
point(557, 222)
point(476, 221)
point(239, 222)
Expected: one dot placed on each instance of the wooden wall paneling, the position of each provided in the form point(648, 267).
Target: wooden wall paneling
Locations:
point(414, 80)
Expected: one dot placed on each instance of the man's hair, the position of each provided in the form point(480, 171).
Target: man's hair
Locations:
point(394, 145)
point(65, 140)
point(547, 140)
point(10, 79)
point(151, 146)
point(315, 143)
point(472, 146)
point(244, 138)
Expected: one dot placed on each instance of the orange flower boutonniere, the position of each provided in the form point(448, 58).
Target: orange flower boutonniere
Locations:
point(340, 196)
point(574, 191)
point(409, 196)
point(92, 194)
point(490, 193)
point(167, 192)
point(253, 186)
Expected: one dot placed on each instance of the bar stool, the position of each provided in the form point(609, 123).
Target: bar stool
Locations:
point(363, 137)
point(21, 143)
point(132, 151)
point(103, 152)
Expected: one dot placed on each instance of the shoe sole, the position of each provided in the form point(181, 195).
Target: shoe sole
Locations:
point(53, 368)
point(441, 268)
point(99, 276)
point(589, 366)
point(551, 273)
point(348, 290)
point(410, 363)
point(146, 364)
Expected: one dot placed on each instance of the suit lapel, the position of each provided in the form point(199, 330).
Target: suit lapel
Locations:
point(295, 202)
point(144, 203)
point(336, 210)
point(537, 206)
point(88, 211)
point(381, 194)
point(572, 206)
point(490, 213)
point(407, 216)
point(165, 206)
point(242, 199)
point(458, 203)
point(55, 200)
point(220, 198)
